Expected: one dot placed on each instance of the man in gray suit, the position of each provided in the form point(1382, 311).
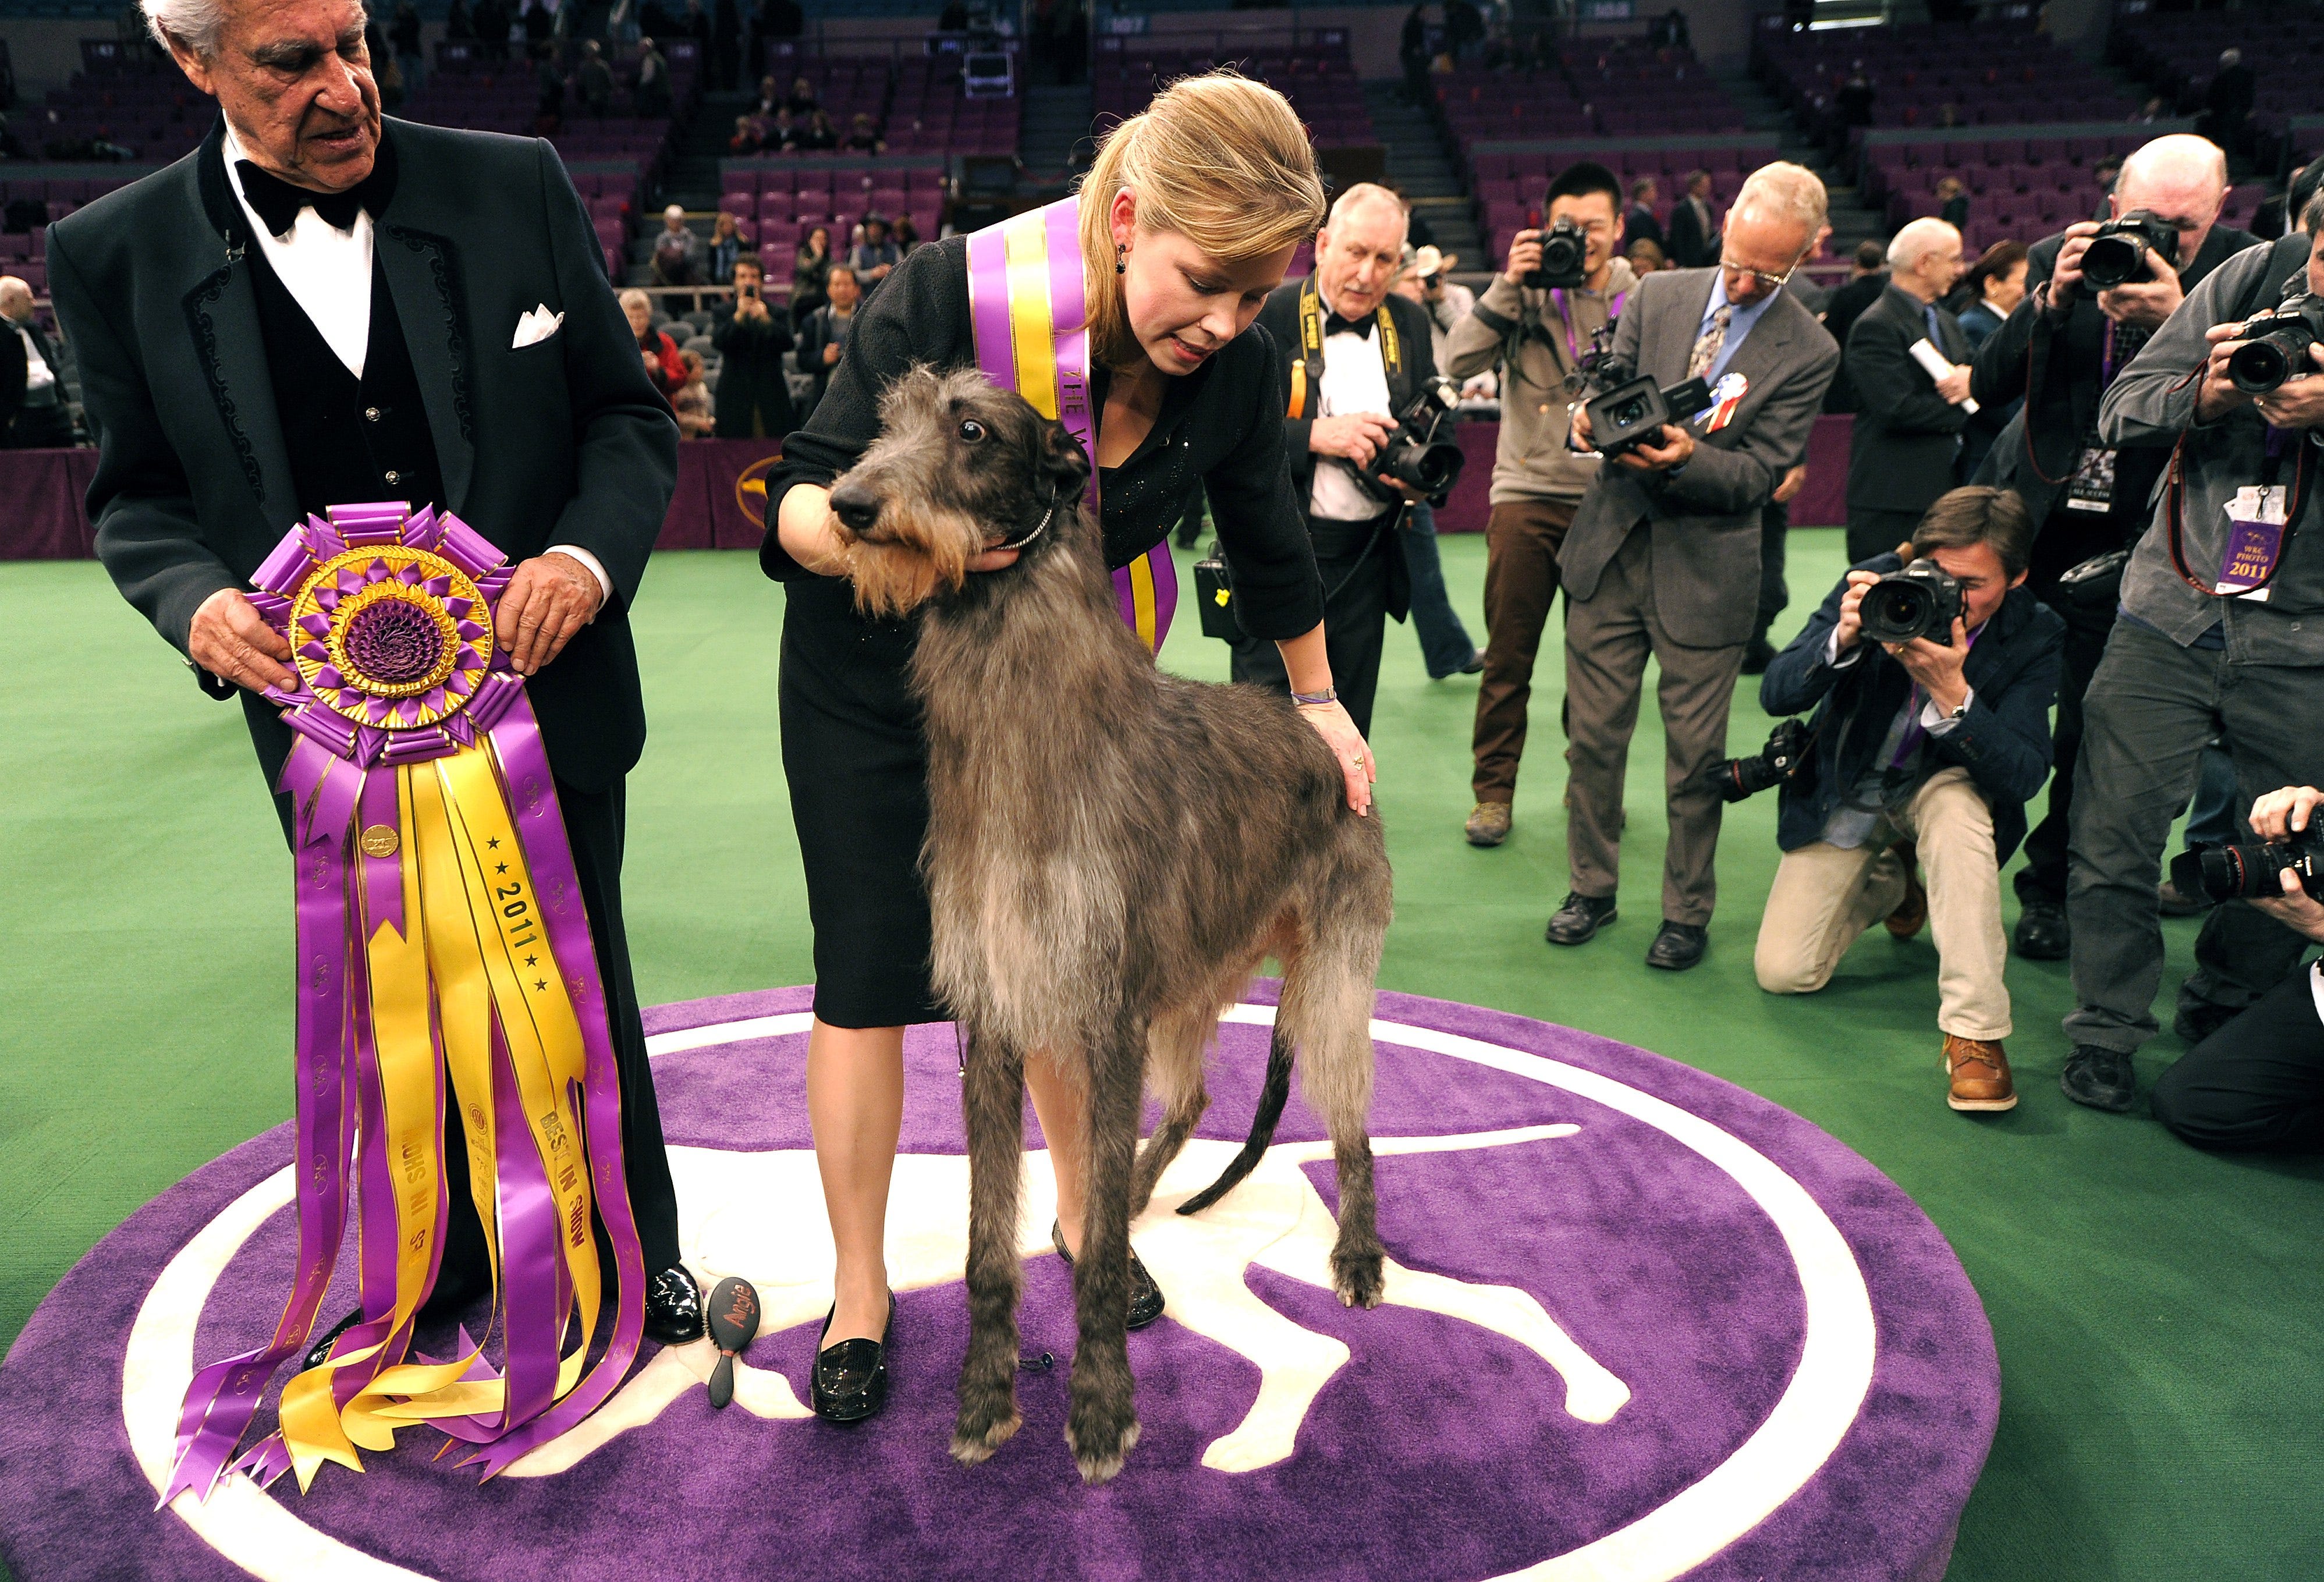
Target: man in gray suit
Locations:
point(1663, 554)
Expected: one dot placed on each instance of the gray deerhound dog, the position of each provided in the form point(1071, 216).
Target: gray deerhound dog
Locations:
point(1111, 853)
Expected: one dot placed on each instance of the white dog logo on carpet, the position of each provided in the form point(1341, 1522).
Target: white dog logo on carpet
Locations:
point(1275, 1220)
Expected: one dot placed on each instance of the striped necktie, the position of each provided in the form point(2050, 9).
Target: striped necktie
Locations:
point(1706, 350)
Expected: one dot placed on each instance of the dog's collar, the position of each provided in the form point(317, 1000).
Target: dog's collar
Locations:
point(1056, 498)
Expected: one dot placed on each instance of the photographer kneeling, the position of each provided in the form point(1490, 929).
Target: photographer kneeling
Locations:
point(1940, 740)
point(2258, 1082)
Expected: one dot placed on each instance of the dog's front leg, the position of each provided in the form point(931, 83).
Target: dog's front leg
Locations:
point(1102, 1425)
point(993, 1099)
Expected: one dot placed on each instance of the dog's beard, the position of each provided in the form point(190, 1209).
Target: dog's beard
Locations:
point(896, 575)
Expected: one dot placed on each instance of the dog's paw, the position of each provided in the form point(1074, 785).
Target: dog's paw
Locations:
point(1357, 1278)
point(972, 1444)
point(1100, 1450)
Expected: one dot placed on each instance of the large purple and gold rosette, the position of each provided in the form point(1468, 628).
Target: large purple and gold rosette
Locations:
point(444, 957)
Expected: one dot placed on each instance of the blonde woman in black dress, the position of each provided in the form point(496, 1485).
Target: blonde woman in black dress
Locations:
point(1189, 217)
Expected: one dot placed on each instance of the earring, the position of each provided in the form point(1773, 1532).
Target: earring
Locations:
point(1121, 258)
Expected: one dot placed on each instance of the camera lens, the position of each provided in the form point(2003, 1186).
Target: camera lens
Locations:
point(1630, 413)
point(2259, 367)
point(2113, 261)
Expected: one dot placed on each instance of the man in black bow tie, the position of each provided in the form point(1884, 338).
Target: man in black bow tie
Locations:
point(321, 307)
point(1355, 354)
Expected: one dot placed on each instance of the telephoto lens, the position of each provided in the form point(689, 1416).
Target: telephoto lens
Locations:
point(1787, 749)
point(2239, 873)
point(1920, 601)
point(2275, 345)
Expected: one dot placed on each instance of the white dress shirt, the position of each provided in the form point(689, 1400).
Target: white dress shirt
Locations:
point(1355, 380)
point(328, 272)
point(40, 379)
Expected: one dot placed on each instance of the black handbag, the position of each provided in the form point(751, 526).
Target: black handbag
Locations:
point(1214, 596)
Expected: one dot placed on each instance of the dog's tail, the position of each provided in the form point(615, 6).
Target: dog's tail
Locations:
point(1273, 1094)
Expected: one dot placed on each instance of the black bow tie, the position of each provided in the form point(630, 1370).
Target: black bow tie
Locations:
point(278, 202)
point(1334, 325)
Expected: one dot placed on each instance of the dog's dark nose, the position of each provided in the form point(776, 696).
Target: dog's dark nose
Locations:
point(857, 507)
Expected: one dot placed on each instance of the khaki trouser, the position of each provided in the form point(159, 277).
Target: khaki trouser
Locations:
point(1824, 896)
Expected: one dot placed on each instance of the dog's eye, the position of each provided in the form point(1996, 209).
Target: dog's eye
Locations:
point(971, 431)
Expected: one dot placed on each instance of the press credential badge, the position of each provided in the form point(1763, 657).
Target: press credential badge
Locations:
point(2255, 519)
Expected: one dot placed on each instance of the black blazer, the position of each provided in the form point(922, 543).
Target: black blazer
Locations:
point(1639, 225)
point(750, 373)
point(14, 371)
point(815, 333)
point(2057, 367)
point(1901, 449)
point(561, 441)
point(2004, 740)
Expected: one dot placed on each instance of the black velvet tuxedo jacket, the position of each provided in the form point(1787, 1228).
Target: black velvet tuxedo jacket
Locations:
point(563, 442)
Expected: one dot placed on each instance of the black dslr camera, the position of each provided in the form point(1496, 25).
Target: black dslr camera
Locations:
point(1777, 762)
point(2238, 872)
point(2116, 255)
point(1564, 257)
point(1630, 409)
point(1922, 600)
point(1421, 452)
point(2275, 344)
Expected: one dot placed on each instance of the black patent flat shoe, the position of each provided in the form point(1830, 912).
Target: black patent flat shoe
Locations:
point(673, 1308)
point(850, 1380)
point(1145, 1296)
point(320, 1352)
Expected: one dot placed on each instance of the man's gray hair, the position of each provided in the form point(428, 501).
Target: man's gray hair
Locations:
point(1909, 245)
point(1787, 191)
point(1360, 195)
point(189, 24)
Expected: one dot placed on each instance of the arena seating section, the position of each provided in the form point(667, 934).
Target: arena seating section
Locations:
point(1992, 75)
point(2284, 47)
point(1320, 82)
point(1508, 186)
point(779, 198)
point(1622, 90)
point(917, 105)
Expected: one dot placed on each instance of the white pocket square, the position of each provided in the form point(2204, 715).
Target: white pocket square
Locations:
point(536, 326)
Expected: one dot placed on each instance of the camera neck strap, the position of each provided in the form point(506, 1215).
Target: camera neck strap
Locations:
point(2174, 491)
point(1307, 371)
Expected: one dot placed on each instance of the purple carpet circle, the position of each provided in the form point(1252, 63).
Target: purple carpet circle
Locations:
point(1641, 1324)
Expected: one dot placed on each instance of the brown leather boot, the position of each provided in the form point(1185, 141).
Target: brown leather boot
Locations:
point(1487, 825)
point(1912, 913)
point(1980, 1074)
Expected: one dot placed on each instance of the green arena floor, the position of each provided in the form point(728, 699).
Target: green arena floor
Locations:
point(2160, 1313)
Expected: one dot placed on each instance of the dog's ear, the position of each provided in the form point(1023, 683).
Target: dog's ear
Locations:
point(1064, 463)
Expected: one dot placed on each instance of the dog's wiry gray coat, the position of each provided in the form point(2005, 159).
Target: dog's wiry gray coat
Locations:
point(1111, 853)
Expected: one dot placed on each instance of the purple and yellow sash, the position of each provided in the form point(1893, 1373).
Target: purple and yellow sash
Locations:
point(1028, 305)
point(440, 928)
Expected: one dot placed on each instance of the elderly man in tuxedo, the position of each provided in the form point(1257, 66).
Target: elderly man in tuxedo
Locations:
point(320, 306)
point(1663, 557)
point(32, 412)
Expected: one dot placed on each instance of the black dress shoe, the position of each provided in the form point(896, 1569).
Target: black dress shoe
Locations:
point(673, 1308)
point(1757, 654)
point(2200, 1019)
point(2041, 934)
point(1145, 1296)
point(2101, 1078)
point(850, 1382)
point(1579, 919)
point(1678, 946)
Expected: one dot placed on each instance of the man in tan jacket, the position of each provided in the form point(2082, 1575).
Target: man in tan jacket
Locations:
point(1536, 338)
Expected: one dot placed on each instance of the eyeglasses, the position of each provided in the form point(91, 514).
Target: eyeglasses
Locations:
point(1774, 283)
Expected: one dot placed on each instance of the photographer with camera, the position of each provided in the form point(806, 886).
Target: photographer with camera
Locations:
point(1356, 356)
point(1664, 558)
point(754, 396)
point(1932, 685)
point(2060, 348)
point(2221, 634)
point(2258, 1082)
point(1535, 325)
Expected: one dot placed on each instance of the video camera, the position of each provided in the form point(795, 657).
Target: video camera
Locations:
point(2117, 255)
point(1630, 409)
point(2239, 873)
point(1922, 600)
point(1564, 258)
point(2275, 344)
point(1421, 453)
